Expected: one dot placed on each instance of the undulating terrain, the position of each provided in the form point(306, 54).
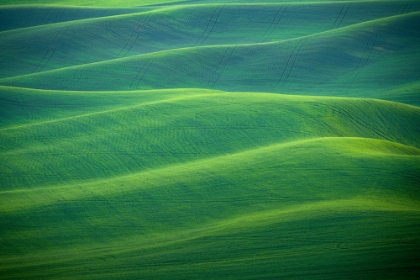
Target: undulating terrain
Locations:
point(209, 139)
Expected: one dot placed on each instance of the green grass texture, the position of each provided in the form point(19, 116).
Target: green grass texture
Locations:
point(209, 139)
point(346, 49)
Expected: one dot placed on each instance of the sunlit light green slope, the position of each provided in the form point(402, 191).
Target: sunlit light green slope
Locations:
point(209, 140)
point(189, 183)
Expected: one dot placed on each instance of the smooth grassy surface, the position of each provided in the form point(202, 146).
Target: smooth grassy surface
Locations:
point(219, 214)
point(139, 32)
point(337, 48)
point(90, 3)
point(151, 141)
point(155, 128)
point(193, 183)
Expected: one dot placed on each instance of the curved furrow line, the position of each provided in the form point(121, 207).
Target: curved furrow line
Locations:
point(51, 49)
point(141, 29)
point(140, 75)
point(408, 6)
point(302, 43)
point(287, 70)
point(110, 28)
point(224, 64)
point(284, 68)
point(211, 23)
point(138, 30)
point(344, 15)
point(129, 39)
point(364, 60)
point(78, 75)
point(338, 16)
point(211, 78)
point(363, 124)
point(49, 15)
point(207, 26)
point(371, 47)
point(274, 23)
point(221, 65)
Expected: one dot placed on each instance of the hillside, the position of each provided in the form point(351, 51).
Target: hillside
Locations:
point(209, 139)
point(343, 52)
point(213, 217)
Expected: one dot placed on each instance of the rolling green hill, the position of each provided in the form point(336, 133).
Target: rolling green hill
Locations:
point(209, 140)
point(344, 52)
point(69, 42)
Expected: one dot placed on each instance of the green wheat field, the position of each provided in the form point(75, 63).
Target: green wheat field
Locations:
point(210, 139)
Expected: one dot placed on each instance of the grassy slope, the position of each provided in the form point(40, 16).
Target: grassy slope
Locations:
point(187, 183)
point(197, 178)
point(226, 212)
point(134, 3)
point(90, 3)
point(149, 129)
point(356, 57)
point(60, 45)
point(14, 17)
